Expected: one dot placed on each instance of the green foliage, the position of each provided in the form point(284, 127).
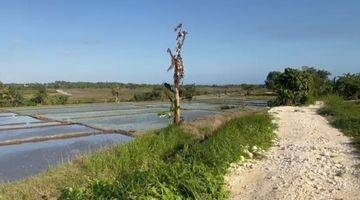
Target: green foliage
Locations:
point(348, 86)
point(293, 87)
point(155, 94)
point(41, 95)
point(59, 100)
point(271, 79)
point(191, 170)
point(188, 92)
point(344, 115)
point(322, 85)
point(10, 96)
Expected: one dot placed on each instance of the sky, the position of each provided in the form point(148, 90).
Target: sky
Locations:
point(230, 41)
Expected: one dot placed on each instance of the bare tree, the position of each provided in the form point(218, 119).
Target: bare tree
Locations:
point(178, 66)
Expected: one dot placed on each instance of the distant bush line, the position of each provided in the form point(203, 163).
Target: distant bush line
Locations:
point(33, 94)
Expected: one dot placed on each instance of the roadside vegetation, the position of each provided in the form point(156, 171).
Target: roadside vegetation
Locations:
point(340, 95)
point(169, 164)
point(304, 86)
point(344, 115)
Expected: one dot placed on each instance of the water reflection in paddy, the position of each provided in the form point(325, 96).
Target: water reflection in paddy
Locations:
point(19, 161)
point(42, 131)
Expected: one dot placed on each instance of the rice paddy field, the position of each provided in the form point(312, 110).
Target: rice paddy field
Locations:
point(34, 139)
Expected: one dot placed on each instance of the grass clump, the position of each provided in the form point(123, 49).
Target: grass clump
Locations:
point(193, 170)
point(344, 115)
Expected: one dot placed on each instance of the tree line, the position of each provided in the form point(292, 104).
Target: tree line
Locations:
point(12, 96)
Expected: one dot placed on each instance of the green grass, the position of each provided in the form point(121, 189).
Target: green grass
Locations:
point(166, 164)
point(191, 170)
point(140, 154)
point(344, 115)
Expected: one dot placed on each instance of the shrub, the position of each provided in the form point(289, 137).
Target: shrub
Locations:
point(188, 92)
point(59, 100)
point(293, 87)
point(271, 79)
point(41, 96)
point(348, 86)
point(155, 94)
point(10, 96)
point(322, 85)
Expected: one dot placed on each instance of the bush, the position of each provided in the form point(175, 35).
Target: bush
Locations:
point(293, 87)
point(41, 96)
point(188, 92)
point(322, 85)
point(155, 94)
point(271, 79)
point(348, 86)
point(10, 96)
point(59, 100)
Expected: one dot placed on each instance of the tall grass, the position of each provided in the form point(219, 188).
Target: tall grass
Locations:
point(344, 115)
point(193, 170)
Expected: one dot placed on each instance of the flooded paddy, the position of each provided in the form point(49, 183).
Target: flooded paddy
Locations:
point(23, 160)
point(34, 139)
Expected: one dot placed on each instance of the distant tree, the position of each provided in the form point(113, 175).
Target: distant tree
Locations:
point(41, 95)
point(10, 96)
point(188, 92)
point(13, 97)
point(271, 79)
point(115, 91)
point(348, 86)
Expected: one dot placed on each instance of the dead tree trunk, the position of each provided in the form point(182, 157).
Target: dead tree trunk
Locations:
point(178, 66)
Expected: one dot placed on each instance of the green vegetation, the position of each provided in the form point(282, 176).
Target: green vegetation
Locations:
point(348, 86)
point(271, 79)
point(193, 170)
point(154, 94)
point(84, 92)
point(299, 87)
point(188, 92)
point(344, 115)
point(321, 83)
point(41, 96)
point(9, 96)
point(293, 87)
point(168, 164)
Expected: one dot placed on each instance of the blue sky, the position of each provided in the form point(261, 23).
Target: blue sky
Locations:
point(230, 41)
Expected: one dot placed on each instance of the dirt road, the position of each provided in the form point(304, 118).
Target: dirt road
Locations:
point(311, 160)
